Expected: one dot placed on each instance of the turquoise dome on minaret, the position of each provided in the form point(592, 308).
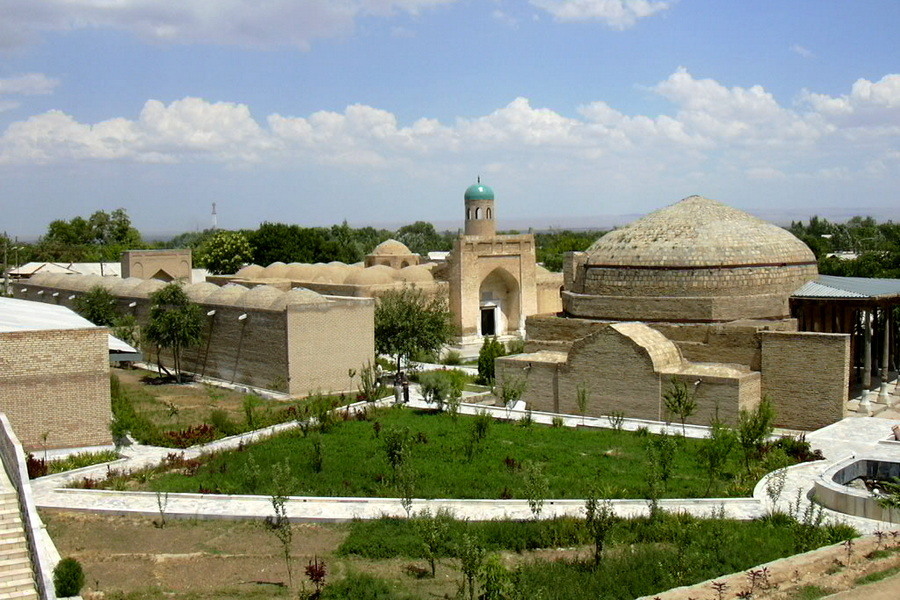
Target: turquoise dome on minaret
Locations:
point(478, 191)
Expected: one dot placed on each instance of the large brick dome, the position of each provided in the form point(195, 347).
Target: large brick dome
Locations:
point(696, 260)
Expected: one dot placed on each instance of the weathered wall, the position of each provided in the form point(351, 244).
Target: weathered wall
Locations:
point(806, 376)
point(326, 340)
point(56, 382)
point(255, 351)
point(146, 264)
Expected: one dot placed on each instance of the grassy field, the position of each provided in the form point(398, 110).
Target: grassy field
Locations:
point(129, 558)
point(351, 459)
point(180, 415)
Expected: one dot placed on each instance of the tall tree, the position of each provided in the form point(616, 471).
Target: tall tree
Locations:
point(408, 321)
point(98, 306)
point(175, 323)
point(224, 252)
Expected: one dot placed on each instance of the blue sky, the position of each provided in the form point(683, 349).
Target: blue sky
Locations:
point(577, 112)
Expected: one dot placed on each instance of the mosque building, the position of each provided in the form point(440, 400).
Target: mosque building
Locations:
point(697, 292)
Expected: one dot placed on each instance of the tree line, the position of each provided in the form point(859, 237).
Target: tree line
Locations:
point(861, 247)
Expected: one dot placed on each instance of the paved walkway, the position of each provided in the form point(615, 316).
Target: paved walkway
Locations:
point(853, 435)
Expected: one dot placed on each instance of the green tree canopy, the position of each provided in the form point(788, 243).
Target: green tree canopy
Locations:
point(175, 323)
point(408, 321)
point(224, 252)
point(102, 236)
point(98, 306)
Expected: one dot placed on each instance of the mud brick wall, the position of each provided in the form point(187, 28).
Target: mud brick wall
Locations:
point(55, 383)
point(806, 376)
point(326, 340)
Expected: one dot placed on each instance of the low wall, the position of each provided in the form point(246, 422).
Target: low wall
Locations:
point(40, 547)
point(832, 491)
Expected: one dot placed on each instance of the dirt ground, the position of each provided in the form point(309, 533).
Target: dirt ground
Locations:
point(129, 557)
point(835, 568)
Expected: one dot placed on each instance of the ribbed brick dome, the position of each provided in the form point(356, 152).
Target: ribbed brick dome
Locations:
point(696, 260)
point(696, 232)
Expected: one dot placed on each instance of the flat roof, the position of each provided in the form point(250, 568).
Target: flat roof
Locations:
point(26, 315)
point(832, 286)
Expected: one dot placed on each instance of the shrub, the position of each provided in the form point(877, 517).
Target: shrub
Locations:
point(222, 422)
point(37, 467)
point(452, 358)
point(490, 350)
point(68, 578)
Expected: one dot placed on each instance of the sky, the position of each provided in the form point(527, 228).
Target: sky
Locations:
point(577, 113)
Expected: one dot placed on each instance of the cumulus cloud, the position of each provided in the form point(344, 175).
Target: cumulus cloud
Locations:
point(711, 128)
point(618, 14)
point(239, 22)
point(29, 84)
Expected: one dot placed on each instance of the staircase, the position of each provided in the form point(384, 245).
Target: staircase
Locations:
point(16, 575)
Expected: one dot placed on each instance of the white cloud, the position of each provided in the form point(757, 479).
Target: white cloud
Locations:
point(712, 130)
point(29, 84)
point(618, 14)
point(235, 22)
point(800, 50)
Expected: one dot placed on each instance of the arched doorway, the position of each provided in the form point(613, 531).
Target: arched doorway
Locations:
point(498, 303)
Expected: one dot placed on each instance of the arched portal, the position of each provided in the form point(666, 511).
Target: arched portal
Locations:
point(499, 303)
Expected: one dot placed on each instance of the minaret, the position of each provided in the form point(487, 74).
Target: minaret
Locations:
point(480, 210)
point(215, 220)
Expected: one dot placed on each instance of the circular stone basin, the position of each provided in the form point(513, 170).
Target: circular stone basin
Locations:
point(832, 491)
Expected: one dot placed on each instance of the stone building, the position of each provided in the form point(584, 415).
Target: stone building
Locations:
point(492, 282)
point(697, 292)
point(54, 375)
point(165, 265)
point(299, 341)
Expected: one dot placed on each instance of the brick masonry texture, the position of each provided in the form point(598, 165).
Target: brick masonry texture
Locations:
point(261, 349)
point(806, 376)
point(56, 383)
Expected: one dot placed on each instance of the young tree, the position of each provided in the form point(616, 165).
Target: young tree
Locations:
point(434, 532)
point(471, 557)
point(680, 401)
point(175, 323)
point(490, 350)
point(754, 429)
point(713, 453)
point(98, 306)
point(279, 524)
point(408, 321)
point(599, 520)
point(581, 399)
point(536, 487)
point(225, 252)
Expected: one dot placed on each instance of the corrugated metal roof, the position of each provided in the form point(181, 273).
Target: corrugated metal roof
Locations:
point(25, 315)
point(831, 286)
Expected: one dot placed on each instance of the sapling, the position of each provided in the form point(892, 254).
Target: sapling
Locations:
point(536, 488)
point(434, 533)
point(774, 489)
point(581, 399)
point(315, 572)
point(162, 500)
point(599, 519)
point(279, 524)
point(471, 556)
point(680, 401)
point(616, 420)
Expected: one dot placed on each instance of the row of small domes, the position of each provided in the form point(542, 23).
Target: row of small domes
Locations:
point(260, 297)
point(338, 273)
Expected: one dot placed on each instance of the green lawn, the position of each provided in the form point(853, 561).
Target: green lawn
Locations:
point(354, 462)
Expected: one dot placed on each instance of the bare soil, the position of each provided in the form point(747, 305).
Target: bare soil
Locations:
point(129, 557)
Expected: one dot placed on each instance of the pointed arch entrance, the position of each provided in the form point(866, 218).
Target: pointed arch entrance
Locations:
point(498, 296)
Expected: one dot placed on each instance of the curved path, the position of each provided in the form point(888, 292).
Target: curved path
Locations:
point(852, 435)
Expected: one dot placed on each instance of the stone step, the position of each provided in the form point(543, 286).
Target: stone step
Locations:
point(20, 595)
point(16, 575)
point(12, 564)
point(14, 553)
point(12, 534)
point(22, 583)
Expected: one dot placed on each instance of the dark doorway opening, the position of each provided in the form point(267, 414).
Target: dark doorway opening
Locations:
point(488, 325)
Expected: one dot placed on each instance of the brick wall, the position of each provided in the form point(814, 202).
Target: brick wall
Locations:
point(326, 340)
point(806, 376)
point(56, 382)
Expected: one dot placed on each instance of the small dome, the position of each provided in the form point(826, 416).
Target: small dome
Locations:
point(390, 248)
point(299, 272)
point(377, 275)
point(83, 283)
point(415, 274)
point(126, 286)
point(147, 287)
point(261, 296)
point(199, 292)
point(478, 191)
point(250, 272)
point(44, 279)
point(275, 270)
point(297, 295)
point(229, 295)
